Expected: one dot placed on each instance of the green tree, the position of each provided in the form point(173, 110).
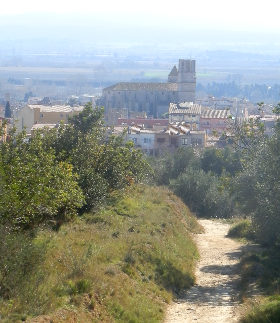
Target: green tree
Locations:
point(221, 160)
point(203, 193)
point(103, 161)
point(35, 188)
point(8, 111)
point(257, 187)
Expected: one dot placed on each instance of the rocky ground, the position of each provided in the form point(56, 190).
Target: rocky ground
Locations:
point(214, 298)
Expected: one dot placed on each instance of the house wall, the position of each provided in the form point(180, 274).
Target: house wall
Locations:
point(193, 140)
point(214, 124)
point(145, 141)
point(50, 117)
point(25, 119)
point(188, 118)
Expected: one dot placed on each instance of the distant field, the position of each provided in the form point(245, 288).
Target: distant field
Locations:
point(161, 74)
point(112, 74)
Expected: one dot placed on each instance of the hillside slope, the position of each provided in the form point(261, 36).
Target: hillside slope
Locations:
point(121, 264)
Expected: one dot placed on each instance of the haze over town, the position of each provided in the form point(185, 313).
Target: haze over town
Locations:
point(98, 43)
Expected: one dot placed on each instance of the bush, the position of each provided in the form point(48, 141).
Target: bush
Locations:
point(268, 312)
point(103, 161)
point(202, 193)
point(242, 230)
point(35, 188)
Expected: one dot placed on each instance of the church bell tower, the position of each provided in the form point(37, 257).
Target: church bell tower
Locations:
point(186, 80)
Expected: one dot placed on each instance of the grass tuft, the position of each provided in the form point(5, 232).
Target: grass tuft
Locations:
point(267, 312)
point(243, 229)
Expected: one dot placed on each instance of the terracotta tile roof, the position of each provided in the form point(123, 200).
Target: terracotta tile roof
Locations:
point(185, 108)
point(215, 114)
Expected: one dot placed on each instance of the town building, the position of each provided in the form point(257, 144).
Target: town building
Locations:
point(238, 107)
point(32, 115)
point(163, 140)
point(144, 122)
point(187, 112)
point(198, 117)
point(153, 98)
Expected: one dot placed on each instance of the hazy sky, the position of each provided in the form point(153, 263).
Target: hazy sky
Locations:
point(249, 15)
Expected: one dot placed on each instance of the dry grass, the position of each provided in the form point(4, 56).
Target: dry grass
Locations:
point(122, 264)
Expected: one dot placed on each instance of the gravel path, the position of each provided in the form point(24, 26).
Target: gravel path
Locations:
point(214, 297)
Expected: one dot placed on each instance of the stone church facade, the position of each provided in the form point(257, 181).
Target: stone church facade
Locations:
point(153, 98)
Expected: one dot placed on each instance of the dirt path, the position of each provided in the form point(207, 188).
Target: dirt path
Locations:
point(214, 297)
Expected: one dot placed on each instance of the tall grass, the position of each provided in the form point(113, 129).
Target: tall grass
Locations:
point(122, 264)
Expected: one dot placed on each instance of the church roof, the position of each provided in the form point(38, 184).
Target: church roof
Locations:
point(174, 71)
point(129, 86)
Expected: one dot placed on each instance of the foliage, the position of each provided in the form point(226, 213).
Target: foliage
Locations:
point(268, 311)
point(221, 160)
point(19, 259)
point(45, 179)
point(243, 229)
point(258, 187)
point(201, 178)
point(171, 166)
point(35, 189)
point(203, 193)
point(261, 266)
point(103, 161)
point(123, 267)
point(253, 92)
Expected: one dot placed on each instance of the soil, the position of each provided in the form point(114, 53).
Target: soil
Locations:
point(214, 297)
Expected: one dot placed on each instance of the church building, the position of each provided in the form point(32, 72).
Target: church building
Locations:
point(153, 98)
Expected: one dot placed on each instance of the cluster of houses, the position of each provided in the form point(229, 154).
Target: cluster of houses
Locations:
point(189, 122)
point(188, 125)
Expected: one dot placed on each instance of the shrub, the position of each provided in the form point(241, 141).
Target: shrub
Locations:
point(35, 188)
point(242, 229)
point(202, 193)
point(269, 311)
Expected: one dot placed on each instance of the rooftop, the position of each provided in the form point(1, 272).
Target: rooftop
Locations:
point(197, 109)
point(56, 108)
point(38, 126)
point(174, 71)
point(215, 114)
point(128, 86)
point(185, 108)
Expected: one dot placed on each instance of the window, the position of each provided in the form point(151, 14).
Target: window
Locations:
point(196, 142)
point(160, 140)
point(147, 140)
point(61, 115)
point(41, 115)
point(134, 140)
point(184, 141)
